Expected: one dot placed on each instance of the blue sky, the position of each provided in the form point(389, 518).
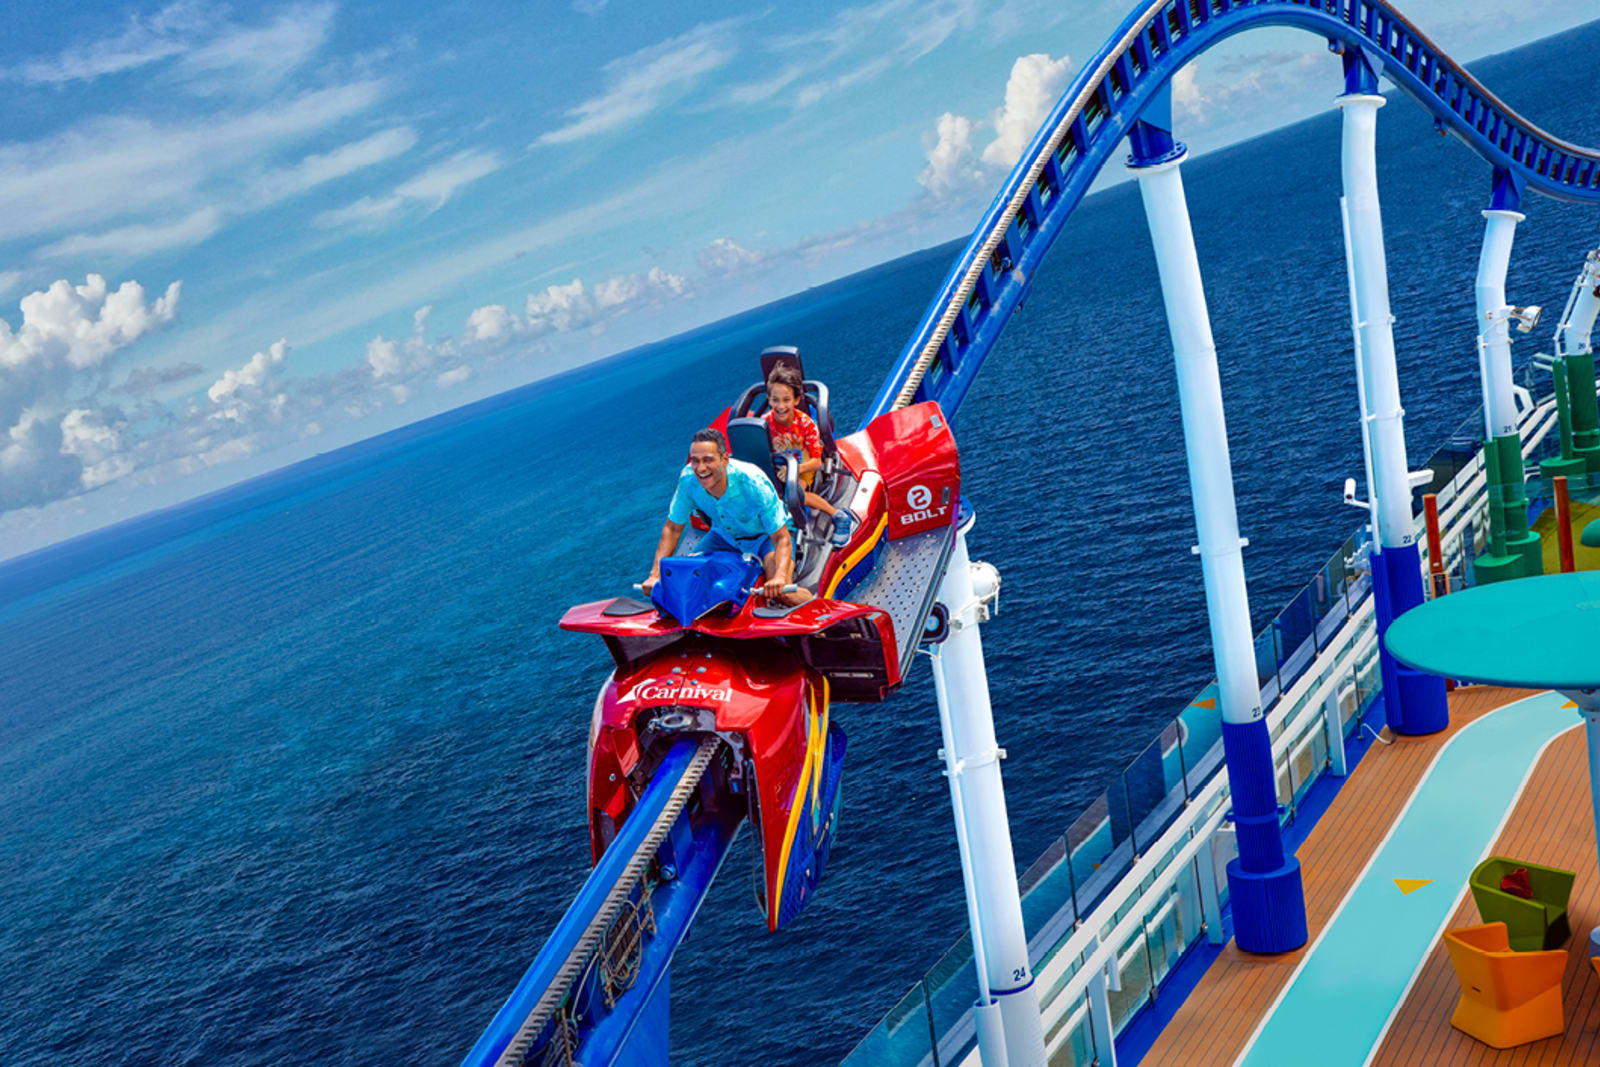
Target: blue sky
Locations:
point(231, 237)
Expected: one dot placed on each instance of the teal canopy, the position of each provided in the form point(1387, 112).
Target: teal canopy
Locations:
point(1532, 633)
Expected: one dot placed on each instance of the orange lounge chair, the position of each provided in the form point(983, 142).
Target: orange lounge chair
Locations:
point(1507, 998)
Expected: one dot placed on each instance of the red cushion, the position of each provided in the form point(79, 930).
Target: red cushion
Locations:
point(1516, 883)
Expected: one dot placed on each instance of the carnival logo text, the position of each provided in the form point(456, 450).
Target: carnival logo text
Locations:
point(685, 690)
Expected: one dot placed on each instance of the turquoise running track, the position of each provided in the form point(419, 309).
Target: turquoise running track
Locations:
point(1353, 977)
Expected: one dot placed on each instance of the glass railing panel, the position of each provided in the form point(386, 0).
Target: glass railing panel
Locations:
point(1078, 1048)
point(903, 1038)
point(1153, 786)
point(951, 988)
point(1135, 991)
point(1099, 847)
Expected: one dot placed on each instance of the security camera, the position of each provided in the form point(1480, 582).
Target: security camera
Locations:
point(1527, 318)
point(1349, 490)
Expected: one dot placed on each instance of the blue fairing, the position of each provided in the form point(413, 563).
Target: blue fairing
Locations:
point(690, 586)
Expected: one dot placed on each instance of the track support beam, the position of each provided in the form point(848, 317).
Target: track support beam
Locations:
point(1414, 702)
point(1264, 883)
point(1010, 1031)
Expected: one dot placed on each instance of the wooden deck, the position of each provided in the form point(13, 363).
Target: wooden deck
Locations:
point(1552, 824)
point(1218, 1017)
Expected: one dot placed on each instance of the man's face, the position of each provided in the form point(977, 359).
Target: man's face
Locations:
point(709, 464)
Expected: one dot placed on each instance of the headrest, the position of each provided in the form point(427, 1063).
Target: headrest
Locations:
point(776, 354)
point(748, 440)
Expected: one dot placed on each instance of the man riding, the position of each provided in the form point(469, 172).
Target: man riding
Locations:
point(745, 512)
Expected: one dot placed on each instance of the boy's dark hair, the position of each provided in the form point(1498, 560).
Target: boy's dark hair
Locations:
point(788, 374)
point(714, 435)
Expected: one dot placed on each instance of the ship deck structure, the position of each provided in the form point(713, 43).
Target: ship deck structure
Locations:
point(1279, 876)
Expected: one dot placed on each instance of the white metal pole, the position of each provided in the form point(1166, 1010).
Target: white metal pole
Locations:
point(1205, 440)
point(972, 761)
point(1396, 524)
point(1494, 323)
point(1574, 333)
point(1361, 389)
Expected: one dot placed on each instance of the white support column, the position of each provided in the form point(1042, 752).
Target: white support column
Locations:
point(972, 763)
point(1205, 440)
point(1575, 331)
point(1374, 322)
point(1494, 322)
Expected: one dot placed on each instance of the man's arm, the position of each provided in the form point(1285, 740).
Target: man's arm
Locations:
point(670, 533)
point(781, 569)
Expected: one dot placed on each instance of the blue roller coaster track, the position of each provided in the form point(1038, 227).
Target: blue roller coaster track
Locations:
point(1122, 92)
point(1128, 82)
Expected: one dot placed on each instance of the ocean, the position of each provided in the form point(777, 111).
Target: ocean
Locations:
point(294, 773)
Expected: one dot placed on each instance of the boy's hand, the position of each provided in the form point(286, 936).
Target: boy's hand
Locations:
point(649, 583)
point(772, 588)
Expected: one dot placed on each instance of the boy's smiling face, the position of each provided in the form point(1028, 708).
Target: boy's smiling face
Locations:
point(782, 400)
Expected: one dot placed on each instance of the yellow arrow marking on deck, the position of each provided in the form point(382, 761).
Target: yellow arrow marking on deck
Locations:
point(1211, 702)
point(1411, 885)
point(1569, 704)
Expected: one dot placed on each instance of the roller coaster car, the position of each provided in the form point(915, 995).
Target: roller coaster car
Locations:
point(706, 656)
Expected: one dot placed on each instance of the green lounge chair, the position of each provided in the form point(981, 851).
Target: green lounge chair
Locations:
point(1533, 925)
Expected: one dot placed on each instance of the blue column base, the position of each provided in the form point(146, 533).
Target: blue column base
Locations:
point(1269, 908)
point(1414, 703)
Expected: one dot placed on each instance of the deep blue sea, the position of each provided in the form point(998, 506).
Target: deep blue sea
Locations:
point(294, 773)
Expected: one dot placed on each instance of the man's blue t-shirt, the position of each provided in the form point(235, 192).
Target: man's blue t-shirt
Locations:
point(747, 509)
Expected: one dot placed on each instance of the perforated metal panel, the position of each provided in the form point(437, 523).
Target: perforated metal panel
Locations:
point(905, 583)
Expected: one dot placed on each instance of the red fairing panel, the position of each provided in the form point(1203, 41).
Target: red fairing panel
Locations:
point(916, 455)
point(760, 696)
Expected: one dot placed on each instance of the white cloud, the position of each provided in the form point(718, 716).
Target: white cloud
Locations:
point(726, 256)
point(51, 446)
point(952, 165)
point(98, 446)
point(1035, 84)
point(314, 170)
point(454, 376)
point(650, 78)
point(110, 168)
point(251, 375)
point(858, 45)
point(9, 280)
point(142, 42)
point(139, 239)
point(433, 188)
point(383, 357)
point(211, 53)
point(257, 58)
point(572, 306)
point(489, 323)
point(438, 184)
point(81, 325)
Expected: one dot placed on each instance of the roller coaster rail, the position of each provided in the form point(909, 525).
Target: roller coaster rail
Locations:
point(1123, 93)
point(1127, 82)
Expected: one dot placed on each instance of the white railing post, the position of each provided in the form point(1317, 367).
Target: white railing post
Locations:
point(1333, 722)
point(1100, 1028)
